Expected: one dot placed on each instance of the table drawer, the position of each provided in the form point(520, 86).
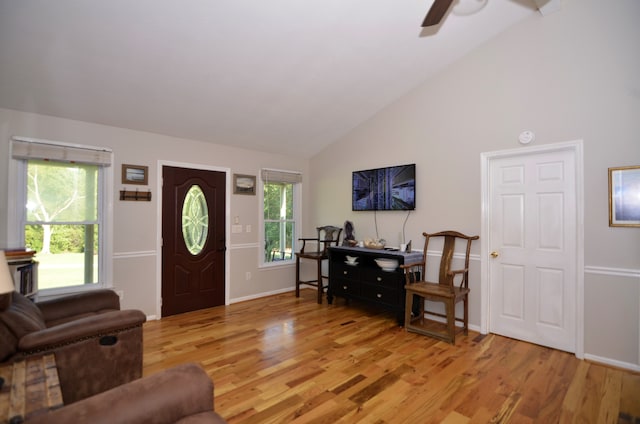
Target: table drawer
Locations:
point(380, 294)
point(377, 276)
point(345, 287)
point(350, 272)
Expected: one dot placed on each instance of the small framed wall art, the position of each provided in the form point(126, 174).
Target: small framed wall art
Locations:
point(244, 184)
point(135, 174)
point(624, 196)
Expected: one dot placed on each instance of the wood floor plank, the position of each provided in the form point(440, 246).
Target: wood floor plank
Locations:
point(572, 399)
point(610, 403)
point(630, 396)
point(283, 359)
point(507, 409)
point(455, 418)
point(592, 393)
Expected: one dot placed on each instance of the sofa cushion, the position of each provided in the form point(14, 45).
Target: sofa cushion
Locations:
point(182, 394)
point(65, 320)
point(22, 317)
point(72, 307)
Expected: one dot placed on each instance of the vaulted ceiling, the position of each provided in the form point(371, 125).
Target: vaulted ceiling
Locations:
point(283, 76)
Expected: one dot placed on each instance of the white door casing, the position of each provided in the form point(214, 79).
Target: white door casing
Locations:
point(532, 219)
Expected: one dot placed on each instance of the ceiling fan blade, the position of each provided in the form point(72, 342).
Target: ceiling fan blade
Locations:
point(437, 12)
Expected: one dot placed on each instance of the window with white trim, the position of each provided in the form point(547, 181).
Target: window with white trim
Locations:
point(62, 210)
point(281, 215)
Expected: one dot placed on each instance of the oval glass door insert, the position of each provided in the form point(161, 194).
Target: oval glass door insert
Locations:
point(195, 220)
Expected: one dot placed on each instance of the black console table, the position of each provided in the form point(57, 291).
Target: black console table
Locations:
point(366, 281)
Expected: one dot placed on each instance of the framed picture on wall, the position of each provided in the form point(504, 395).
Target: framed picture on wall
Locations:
point(135, 174)
point(624, 196)
point(244, 184)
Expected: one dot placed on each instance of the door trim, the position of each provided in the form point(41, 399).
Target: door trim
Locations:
point(227, 214)
point(576, 147)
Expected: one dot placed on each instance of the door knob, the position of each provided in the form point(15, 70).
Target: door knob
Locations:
point(494, 254)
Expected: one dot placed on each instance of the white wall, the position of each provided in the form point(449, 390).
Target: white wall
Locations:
point(135, 251)
point(574, 74)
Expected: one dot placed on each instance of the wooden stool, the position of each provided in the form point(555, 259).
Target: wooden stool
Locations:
point(327, 236)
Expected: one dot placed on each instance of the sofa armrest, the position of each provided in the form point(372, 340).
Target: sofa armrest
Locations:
point(65, 308)
point(80, 329)
point(166, 397)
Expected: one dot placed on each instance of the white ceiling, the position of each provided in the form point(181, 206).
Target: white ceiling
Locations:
point(278, 76)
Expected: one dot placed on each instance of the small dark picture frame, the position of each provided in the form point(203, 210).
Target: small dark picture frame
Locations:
point(624, 196)
point(244, 184)
point(135, 174)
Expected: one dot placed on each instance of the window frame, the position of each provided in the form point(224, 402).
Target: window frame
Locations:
point(18, 219)
point(297, 223)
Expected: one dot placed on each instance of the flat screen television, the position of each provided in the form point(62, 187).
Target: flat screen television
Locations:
point(384, 189)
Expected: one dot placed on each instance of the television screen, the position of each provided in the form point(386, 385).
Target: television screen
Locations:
point(384, 189)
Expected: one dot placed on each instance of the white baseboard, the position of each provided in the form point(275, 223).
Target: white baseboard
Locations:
point(259, 295)
point(612, 362)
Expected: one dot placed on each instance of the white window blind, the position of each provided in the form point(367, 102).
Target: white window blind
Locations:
point(31, 148)
point(276, 175)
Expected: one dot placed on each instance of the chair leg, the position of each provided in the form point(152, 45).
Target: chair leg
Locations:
point(466, 315)
point(408, 306)
point(320, 283)
point(297, 276)
point(450, 305)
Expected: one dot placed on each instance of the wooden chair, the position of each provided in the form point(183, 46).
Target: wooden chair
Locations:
point(445, 290)
point(327, 236)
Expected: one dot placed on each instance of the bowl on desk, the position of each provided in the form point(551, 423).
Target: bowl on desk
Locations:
point(351, 260)
point(374, 244)
point(387, 264)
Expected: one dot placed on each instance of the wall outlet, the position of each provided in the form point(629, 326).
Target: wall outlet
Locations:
point(248, 228)
point(236, 229)
point(247, 275)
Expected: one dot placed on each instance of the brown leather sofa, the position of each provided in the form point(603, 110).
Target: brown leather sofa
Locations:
point(97, 346)
point(183, 394)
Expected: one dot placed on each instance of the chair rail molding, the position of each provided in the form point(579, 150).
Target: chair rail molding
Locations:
point(138, 254)
point(238, 246)
point(618, 272)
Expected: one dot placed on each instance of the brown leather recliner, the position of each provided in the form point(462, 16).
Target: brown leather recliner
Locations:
point(182, 394)
point(97, 346)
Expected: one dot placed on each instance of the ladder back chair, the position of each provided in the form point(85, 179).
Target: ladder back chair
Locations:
point(327, 236)
point(444, 290)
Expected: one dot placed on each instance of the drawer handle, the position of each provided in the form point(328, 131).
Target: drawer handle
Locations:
point(344, 272)
point(379, 296)
point(344, 287)
point(379, 278)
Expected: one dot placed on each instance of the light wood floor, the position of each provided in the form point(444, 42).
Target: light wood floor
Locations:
point(286, 360)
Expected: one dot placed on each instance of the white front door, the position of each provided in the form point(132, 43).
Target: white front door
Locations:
point(532, 247)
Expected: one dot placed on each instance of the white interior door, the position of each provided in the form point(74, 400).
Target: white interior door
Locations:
point(532, 243)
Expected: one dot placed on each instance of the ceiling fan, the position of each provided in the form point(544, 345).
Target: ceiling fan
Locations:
point(439, 8)
point(436, 13)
